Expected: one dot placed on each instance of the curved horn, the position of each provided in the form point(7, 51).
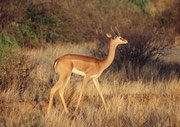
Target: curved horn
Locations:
point(116, 33)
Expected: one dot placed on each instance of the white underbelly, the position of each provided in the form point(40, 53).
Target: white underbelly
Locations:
point(78, 72)
point(75, 71)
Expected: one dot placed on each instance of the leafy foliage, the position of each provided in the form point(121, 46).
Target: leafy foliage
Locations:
point(7, 44)
point(140, 3)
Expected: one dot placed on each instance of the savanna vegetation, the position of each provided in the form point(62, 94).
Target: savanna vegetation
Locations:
point(141, 87)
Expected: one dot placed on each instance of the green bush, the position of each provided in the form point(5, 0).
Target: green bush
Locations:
point(78, 21)
point(140, 3)
point(39, 22)
point(7, 45)
point(38, 14)
point(38, 25)
point(25, 35)
point(42, 22)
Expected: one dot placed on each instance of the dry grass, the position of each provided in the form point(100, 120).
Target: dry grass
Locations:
point(130, 103)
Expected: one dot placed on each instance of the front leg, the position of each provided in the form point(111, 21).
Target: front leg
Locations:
point(86, 78)
point(96, 82)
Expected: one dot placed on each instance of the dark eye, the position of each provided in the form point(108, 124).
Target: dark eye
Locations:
point(120, 38)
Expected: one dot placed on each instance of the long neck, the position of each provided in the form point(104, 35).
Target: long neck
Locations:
point(110, 57)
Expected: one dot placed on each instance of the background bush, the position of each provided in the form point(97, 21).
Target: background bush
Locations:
point(7, 45)
point(77, 21)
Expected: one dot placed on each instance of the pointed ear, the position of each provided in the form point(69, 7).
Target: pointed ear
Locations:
point(108, 35)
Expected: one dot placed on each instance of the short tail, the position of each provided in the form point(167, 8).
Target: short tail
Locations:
point(54, 65)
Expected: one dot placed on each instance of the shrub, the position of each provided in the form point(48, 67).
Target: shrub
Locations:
point(42, 22)
point(15, 73)
point(38, 22)
point(169, 18)
point(140, 3)
point(7, 45)
point(11, 12)
point(37, 26)
point(25, 35)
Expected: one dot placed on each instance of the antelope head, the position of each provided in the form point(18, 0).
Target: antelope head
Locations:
point(116, 38)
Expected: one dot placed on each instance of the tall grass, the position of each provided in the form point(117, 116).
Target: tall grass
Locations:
point(27, 81)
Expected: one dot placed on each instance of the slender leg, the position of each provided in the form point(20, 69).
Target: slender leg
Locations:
point(59, 85)
point(82, 90)
point(61, 92)
point(99, 91)
point(53, 91)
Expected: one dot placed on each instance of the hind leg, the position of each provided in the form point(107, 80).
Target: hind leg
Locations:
point(53, 91)
point(59, 85)
point(61, 92)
